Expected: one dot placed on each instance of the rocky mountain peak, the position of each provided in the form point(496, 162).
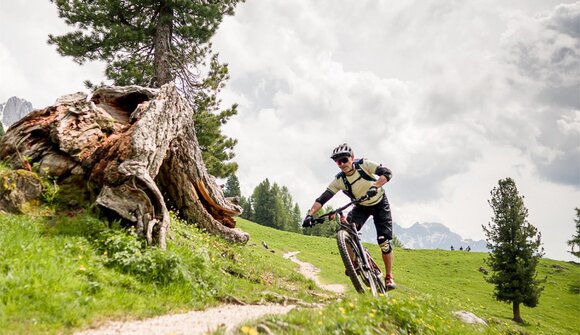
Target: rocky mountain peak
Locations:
point(13, 110)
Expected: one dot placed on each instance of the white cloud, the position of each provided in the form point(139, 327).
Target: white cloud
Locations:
point(32, 69)
point(428, 89)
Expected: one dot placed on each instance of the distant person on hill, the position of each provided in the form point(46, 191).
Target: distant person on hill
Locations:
point(357, 179)
point(452, 248)
point(468, 249)
point(461, 248)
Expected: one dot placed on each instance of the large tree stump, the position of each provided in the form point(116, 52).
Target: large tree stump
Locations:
point(138, 150)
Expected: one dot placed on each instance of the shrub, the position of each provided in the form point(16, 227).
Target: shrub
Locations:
point(126, 252)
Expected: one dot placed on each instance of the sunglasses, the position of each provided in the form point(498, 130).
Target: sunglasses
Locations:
point(342, 160)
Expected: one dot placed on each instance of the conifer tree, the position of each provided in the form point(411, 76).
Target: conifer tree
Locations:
point(232, 188)
point(273, 206)
point(247, 210)
point(151, 43)
point(296, 218)
point(515, 249)
point(263, 204)
point(574, 243)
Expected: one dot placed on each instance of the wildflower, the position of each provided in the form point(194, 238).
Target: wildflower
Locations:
point(341, 309)
point(82, 268)
point(249, 330)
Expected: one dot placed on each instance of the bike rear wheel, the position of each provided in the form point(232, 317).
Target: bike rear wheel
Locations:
point(377, 275)
point(360, 279)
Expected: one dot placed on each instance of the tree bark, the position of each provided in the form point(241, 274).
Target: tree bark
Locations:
point(162, 43)
point(516, 311)
point(138, 151)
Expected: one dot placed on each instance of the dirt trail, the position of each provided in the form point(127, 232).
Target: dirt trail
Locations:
point(191, 323)
point(311, 272)
point(201, 322)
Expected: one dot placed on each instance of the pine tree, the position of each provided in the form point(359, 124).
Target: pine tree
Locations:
point(296, 219)
point(232, 187)
point(248, 211)
point(273, 206)
point(263, 204)
point(515, 249)
point(574, 243)
point(151, 43)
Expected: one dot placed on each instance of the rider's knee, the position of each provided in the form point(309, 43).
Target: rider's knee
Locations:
point(386, 247)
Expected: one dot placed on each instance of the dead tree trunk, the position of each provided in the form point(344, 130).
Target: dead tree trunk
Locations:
point(138, 150)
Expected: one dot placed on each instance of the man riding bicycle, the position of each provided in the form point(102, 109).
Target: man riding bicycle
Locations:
point(356, 180)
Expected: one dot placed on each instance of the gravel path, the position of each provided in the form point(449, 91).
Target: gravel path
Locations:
point(191, 323)
point(311, 272)
point(202, 322)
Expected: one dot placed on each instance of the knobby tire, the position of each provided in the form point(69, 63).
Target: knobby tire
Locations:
point(362, 278)
point(377, 275)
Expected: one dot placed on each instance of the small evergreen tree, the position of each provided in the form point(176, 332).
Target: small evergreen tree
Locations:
point(273, 206)
point(248, 211)
point(232, 187)
point(296, 218)
point(574, 243)
point(515, 249)
point(263, 204)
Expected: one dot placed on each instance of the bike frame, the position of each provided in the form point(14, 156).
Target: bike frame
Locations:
point(350, 227)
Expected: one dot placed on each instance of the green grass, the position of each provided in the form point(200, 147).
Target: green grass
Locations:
point(432, 284)
point(62, 273)
point(59, 274)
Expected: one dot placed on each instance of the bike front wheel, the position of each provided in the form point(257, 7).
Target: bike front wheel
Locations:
point(351, 255)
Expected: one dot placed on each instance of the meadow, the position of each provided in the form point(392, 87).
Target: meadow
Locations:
point(63, 272)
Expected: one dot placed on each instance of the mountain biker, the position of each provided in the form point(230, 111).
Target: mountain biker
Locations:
point(356, 180)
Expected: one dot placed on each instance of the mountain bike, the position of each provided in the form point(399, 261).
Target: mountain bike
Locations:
point(361, 268)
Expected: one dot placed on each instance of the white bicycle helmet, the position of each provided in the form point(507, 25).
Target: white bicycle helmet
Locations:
point(342, 150)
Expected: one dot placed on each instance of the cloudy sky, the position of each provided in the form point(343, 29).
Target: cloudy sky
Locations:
point(451, 95)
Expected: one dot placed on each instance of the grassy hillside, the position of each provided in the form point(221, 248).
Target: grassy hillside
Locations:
point(432, 284)
point(65, 272)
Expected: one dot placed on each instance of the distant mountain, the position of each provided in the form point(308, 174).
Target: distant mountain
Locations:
point(426, 236)
point(13, 110)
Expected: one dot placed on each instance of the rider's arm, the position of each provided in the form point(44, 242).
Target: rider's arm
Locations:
point(315, 208)
point(384, 174)
point(318, 203)
point(384, 171)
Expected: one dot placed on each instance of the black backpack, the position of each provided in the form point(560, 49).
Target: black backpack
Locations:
point(363, 174)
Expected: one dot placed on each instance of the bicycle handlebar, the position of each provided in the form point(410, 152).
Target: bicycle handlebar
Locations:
point(331, 214)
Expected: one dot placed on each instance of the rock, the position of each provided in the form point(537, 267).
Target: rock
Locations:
point(469, 317)
point(18, 188)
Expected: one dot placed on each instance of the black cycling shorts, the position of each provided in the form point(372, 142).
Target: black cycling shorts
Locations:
point(381, 213)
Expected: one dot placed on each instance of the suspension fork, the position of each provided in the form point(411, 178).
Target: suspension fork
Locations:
point(355, 234)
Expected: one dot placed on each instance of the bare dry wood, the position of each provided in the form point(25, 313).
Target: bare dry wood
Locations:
point(138, 151)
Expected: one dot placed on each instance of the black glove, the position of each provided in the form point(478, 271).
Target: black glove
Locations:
point(372, 191)
point(308, 221)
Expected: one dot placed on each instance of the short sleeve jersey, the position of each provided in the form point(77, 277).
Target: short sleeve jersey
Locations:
point(358, 184)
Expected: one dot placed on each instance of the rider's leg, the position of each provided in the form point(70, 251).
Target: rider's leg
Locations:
point(388, 260)
point(384, 226)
